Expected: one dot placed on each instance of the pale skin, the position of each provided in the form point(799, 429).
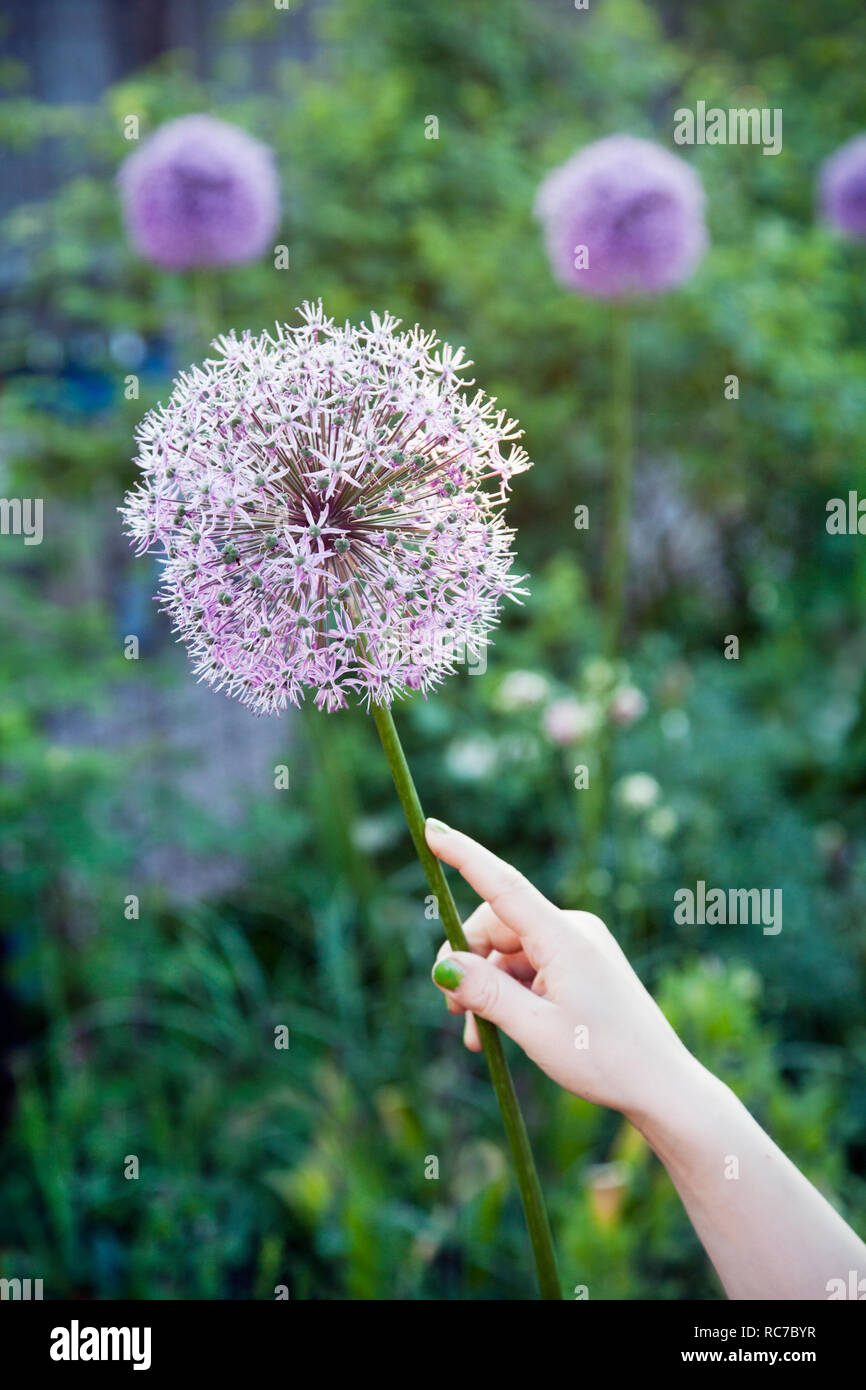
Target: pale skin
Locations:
point(540, 974)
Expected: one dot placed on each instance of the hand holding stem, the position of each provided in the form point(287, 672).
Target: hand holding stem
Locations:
point(552, 980)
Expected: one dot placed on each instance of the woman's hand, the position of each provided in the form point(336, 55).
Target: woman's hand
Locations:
point(559, 985)
point(556, 982)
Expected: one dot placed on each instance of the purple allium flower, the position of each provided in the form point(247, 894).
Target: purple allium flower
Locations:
point(622, 216)
point(319, 497)
point(843, 188)
point(200, 192)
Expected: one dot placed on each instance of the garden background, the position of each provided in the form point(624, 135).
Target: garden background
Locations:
point(154, 1036)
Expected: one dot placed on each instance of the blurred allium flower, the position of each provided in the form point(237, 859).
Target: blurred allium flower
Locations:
point(638, 791)
point(522, 690)
point(200, 192)
point(662, 822)
point(319, 496)
point(637, 209)
point(843, 188)
point(374, 833)
point(471, 759)
point(599, 675)
point(568, 720)
point(627, 704)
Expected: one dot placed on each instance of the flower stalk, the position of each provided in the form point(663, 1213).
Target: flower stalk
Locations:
point(615, 581)
point(622, 448)
point(500, 1075)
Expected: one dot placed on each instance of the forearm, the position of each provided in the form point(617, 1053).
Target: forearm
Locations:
point(768, 1232)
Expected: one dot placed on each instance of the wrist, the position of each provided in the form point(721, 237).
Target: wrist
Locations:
point(676, 1106)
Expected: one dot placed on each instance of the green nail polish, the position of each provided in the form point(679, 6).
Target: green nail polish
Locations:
point(437, 825)
point(448, 973)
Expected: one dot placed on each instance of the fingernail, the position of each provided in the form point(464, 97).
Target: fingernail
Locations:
point(437, 825)
point(448, 973)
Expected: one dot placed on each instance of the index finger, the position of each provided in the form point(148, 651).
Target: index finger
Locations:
point(512, 897)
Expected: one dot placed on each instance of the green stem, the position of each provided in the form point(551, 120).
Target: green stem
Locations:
point(622, 447)
point(515, 1128)
point(207, 299)
point(615, 586)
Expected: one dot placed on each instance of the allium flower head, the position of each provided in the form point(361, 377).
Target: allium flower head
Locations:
point(568, 720)
point(200, 192)
point(522, 690)
point(627, 704)
point(638, 791)
point(320, 499)
point(843, 188)
point(636, 209)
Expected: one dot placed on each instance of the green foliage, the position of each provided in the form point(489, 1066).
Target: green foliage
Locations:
point(154, 1036)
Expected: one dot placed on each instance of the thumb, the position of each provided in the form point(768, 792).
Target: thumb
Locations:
point(480, 988)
